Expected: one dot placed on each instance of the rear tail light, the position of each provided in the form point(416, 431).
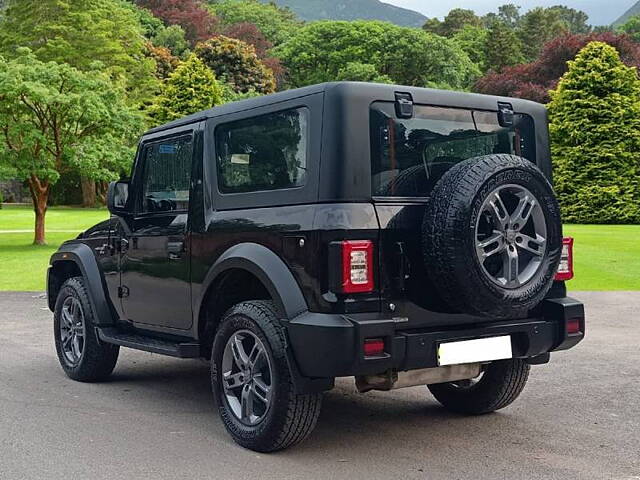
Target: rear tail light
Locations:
point(357, 266)
point(565, 270)
point(373, 347)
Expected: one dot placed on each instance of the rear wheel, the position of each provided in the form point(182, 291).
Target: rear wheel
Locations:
point(499, 384)
point(82, 355)
point(252, 382)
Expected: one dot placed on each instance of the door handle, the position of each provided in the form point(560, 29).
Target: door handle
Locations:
point(175, 250)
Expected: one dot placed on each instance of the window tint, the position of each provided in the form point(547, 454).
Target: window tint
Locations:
point(268, 152)
point(167, 175)
point(409, 156)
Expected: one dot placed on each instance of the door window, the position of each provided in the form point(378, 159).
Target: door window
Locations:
point(167, 175)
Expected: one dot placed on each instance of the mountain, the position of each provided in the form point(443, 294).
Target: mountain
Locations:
point(634, 10)
point(353, 10)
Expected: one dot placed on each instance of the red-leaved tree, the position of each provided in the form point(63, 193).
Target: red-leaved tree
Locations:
point(198, 23)
point(250, 33)
point(533, 81)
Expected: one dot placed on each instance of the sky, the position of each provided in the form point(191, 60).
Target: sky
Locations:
point(601, 12)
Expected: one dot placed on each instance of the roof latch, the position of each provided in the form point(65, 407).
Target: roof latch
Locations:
point(404, 105)
point(505, 114)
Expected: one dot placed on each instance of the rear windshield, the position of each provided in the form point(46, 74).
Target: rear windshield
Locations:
point(410, 155)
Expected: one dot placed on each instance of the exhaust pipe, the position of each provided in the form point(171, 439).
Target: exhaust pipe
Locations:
point(392, 379)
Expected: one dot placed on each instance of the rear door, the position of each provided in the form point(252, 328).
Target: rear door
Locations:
point(409, 156)
point(155, 262)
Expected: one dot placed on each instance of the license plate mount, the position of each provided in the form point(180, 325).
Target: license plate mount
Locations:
point(476, 350)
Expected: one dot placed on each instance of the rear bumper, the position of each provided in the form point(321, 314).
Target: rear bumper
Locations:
point(326, 346)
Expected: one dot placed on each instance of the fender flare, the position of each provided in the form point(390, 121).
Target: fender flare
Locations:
point(269, 268)
point(82, 255)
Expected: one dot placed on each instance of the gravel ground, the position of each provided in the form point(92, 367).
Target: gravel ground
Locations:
point(578, 418)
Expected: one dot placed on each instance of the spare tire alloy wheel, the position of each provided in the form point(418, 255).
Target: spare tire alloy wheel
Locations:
point(492, 236)
point(247, 377)
point(72, 331)
point(511, 242)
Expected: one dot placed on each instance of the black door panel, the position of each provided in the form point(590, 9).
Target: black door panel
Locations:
point(155, 260)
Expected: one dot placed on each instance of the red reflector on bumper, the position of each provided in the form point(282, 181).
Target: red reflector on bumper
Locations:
point(373, 347)
point(573, 326)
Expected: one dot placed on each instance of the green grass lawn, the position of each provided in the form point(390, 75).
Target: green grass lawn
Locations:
point(23, 265)
point(607, 257)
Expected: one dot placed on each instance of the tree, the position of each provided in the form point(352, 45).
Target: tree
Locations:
point(503, 47)
point(166, 63)
point(509, 14)
point(534, 80)
point(631, 27)
point(191, 88)
point(362, 72)
point(173, 38)
point(473, 41)
point(595, 127)
point(536, 28)
point(197, 22)
point(80, 32)
point(55, 119)
point(575, 21)
point(456, 20)
point(236, 63)
point(320, 50)
point(277, 24)
point(251, 34)
point(150, 25)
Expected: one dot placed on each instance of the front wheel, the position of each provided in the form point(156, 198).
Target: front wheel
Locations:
point(82, 355)
point(252, 382)
point(497, 386)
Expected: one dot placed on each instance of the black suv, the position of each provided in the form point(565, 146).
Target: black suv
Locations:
point(402, 236)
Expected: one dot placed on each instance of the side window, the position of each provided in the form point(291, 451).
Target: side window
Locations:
point(167, 175)
point(268, 152)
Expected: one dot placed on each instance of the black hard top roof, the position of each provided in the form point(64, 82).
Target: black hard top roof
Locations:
point(376, 91)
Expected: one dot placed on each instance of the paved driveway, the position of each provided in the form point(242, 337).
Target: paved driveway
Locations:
point(579, 417)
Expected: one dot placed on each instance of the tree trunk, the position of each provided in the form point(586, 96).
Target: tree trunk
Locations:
point(88, 192)
point(101, 192)
point(40, 195)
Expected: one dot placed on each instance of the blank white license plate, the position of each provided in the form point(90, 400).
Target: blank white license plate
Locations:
point(472, 351)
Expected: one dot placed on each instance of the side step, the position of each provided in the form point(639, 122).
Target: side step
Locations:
point(149, 344)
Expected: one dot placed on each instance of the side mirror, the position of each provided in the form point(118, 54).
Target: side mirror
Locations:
point(117, 197)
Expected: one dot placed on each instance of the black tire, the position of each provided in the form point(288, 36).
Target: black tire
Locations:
point(449, 237)
point(501, 383)
point(290, 417)
point(409, 183)
point(97, 359)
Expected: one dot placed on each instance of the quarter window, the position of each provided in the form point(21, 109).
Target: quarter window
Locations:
point(268, 152)
point(167, 175)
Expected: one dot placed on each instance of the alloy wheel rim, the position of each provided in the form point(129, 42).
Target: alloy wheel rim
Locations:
point(72, 331)
point(510, 236)
point(247, 378)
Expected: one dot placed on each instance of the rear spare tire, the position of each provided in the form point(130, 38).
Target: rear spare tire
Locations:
point(492, 236)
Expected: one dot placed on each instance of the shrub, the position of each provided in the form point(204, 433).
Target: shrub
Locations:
point(595, 129)
point(237, 64)
point(192, 87)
